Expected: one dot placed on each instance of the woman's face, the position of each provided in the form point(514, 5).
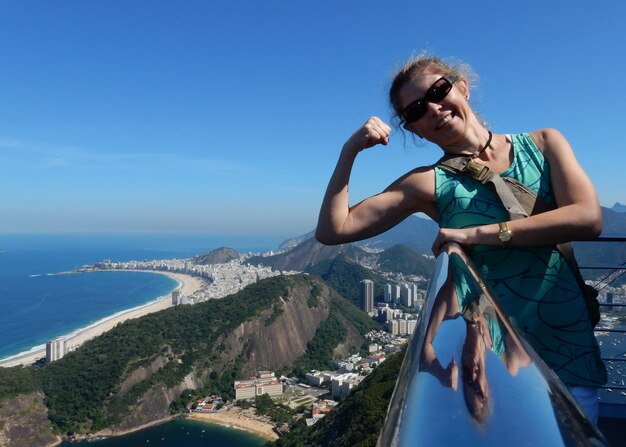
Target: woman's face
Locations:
point(444, 122)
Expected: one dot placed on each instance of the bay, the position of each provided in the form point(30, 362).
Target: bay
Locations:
point(179, 433)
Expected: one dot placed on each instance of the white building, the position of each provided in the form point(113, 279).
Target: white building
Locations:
point(406, 296)
point(402, 325)
point(315, 378)
point(410, 326)
point(265, 383)
point(343, 384)
point(392, 327)
point(55, 349)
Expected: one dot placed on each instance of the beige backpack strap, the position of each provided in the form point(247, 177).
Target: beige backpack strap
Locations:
point(518, 200)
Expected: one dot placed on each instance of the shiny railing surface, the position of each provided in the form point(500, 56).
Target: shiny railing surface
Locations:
point(469, 379)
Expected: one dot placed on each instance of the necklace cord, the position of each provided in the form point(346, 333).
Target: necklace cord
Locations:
point(477, 152)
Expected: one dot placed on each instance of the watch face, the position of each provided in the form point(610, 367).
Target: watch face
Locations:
point(505, 235)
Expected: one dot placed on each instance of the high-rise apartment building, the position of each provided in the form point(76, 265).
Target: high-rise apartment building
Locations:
point(395, 293)
point(387, 293)
point(367, 295)
point(406, 296)
point(55, 349)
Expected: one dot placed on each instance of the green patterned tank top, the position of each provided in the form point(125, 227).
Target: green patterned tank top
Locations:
point(535, 285)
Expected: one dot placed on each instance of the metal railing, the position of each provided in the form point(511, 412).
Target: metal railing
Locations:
point(468, 377)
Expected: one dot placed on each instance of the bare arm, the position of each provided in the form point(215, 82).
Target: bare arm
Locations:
point(340, 223)
point(446, 307)
point(577, 216)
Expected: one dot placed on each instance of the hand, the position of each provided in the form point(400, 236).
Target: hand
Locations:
point(462, 236)
point(373, 132)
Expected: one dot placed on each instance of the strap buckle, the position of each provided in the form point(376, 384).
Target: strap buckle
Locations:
point(477, 171)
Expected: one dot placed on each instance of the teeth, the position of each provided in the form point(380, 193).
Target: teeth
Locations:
point(444, 120)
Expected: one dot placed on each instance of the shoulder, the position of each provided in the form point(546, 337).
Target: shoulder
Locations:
point(417, 187)
point(417, 176)
point(548, 140)
point(556, 149)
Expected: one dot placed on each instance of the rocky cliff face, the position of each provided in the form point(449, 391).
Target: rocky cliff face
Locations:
point(24, 422)
point(273, 340)
point(280, 335)
point(154, 404)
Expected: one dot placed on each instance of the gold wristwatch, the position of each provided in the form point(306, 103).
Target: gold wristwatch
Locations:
point(505, 235)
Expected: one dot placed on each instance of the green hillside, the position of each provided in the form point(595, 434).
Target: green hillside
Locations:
point(403, 259)
point(344, 275)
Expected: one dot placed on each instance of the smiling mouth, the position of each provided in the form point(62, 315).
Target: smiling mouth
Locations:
point(445, 120)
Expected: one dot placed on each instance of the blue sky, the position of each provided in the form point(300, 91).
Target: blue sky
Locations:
point(227, 117)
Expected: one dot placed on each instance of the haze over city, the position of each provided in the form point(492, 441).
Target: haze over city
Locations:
point(228, 117)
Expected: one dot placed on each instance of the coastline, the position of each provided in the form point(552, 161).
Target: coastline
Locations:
point(187, 284)
point(113, 433)
point(232, 418)
point(235, 418)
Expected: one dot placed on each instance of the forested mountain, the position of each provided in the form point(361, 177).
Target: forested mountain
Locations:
point(415, 232)
point(145, 368)
point(306, 254)
point(402, 259)
point(418, 234)
point(313, 257)
point(219, 256)
point(344, 274)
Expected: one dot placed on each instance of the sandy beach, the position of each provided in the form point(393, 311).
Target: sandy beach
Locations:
point(235, 418)
point(187, 285)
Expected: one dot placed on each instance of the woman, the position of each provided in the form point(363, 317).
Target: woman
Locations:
point(517, 258)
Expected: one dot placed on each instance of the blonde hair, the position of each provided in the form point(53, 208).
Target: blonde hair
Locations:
point(425, 63)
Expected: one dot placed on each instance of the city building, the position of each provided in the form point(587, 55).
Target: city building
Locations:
point(367, 295)
point(395, 294)
point(343, 384)
point(406, 296)
point(387, 293)
point(55, 349)
point(317, 378)
point(265, 383)
point(404, 324)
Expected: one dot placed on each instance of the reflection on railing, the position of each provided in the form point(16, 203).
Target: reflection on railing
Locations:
point(468, 378)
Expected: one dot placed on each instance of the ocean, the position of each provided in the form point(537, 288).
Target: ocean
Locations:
point(178, 433)
point(40, 303)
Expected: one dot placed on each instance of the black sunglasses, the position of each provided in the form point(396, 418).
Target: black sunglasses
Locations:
point(435, 94)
